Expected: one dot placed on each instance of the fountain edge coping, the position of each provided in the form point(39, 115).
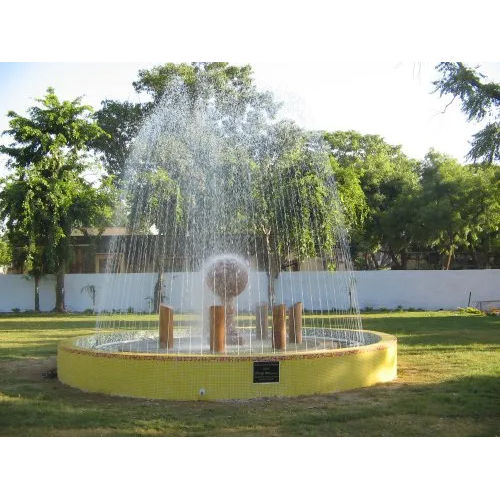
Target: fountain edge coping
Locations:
point(385, 341)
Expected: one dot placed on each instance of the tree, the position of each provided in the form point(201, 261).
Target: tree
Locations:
point(47, 196)
point(398, 222)
point(121, 121)
point(157, 202)
point(294, 212)
point(484, 245)
point(230, 86)
point(377, 183)
point(215, 173)
point(205, 118)
point(351, 195)
point(5, 252)
point(479, 100)
point(203, 80)
point(27, 247)
point(459, 204)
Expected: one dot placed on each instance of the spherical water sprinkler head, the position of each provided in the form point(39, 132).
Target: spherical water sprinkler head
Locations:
point(226, 275)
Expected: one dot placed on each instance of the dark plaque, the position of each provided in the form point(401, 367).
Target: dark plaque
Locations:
point(266, 371)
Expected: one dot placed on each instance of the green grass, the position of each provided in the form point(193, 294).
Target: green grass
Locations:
point(448, 385)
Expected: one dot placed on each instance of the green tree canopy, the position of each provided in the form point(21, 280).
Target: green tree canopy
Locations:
point(480, 100)
point(231, 87)
point(121, 121)
point(47, 196)
point(459, 204)
point(204, 80)
point(230, 171)
point(5, 252)
point(377, 184)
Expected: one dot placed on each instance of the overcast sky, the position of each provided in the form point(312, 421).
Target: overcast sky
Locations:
point(391, 100)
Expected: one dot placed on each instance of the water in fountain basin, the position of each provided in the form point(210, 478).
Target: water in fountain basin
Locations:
point(209, 176)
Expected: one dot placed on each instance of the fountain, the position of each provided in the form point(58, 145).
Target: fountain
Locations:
point(225, 200)
point(227, 276)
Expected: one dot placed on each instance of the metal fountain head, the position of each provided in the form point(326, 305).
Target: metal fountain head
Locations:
point(227, 276)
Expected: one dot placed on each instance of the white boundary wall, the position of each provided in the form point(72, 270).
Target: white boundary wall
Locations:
point(186, 291)
point(428, 290)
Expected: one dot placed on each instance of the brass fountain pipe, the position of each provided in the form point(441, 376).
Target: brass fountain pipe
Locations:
point(279, 326)
point(295, 323)
point(262, 321)
point(217, 329)
point(166, 328)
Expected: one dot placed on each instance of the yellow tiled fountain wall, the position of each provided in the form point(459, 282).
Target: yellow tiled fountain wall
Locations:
point(180, 377)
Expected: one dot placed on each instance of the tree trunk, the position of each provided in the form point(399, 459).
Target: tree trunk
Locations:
point(272, 272)
point(450, 253)
point(37, 293)
point(157, 298)
point(479, 259)
point(367, 261)
point(374, 261)
point(60, 307)
point(395, 263)
point(404, 259)
point(472, 252)
point(271, 281)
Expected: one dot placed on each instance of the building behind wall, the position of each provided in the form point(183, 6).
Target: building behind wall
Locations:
point(115, 250)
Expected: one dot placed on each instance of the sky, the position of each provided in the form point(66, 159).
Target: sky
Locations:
point(393, 100)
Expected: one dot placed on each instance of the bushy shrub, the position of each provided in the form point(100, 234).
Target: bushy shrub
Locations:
point(471, 310)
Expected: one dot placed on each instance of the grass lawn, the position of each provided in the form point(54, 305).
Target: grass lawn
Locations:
point(448, 385)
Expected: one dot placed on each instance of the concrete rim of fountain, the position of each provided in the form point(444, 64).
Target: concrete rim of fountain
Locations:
point(383, 339)
point(224, 377)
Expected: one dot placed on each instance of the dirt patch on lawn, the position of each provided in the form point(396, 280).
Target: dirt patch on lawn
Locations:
point(30, 369)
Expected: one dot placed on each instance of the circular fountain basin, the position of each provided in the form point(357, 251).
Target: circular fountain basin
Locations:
point(132, 364)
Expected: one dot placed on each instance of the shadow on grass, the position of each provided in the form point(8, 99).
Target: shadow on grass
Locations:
point(463, 406)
